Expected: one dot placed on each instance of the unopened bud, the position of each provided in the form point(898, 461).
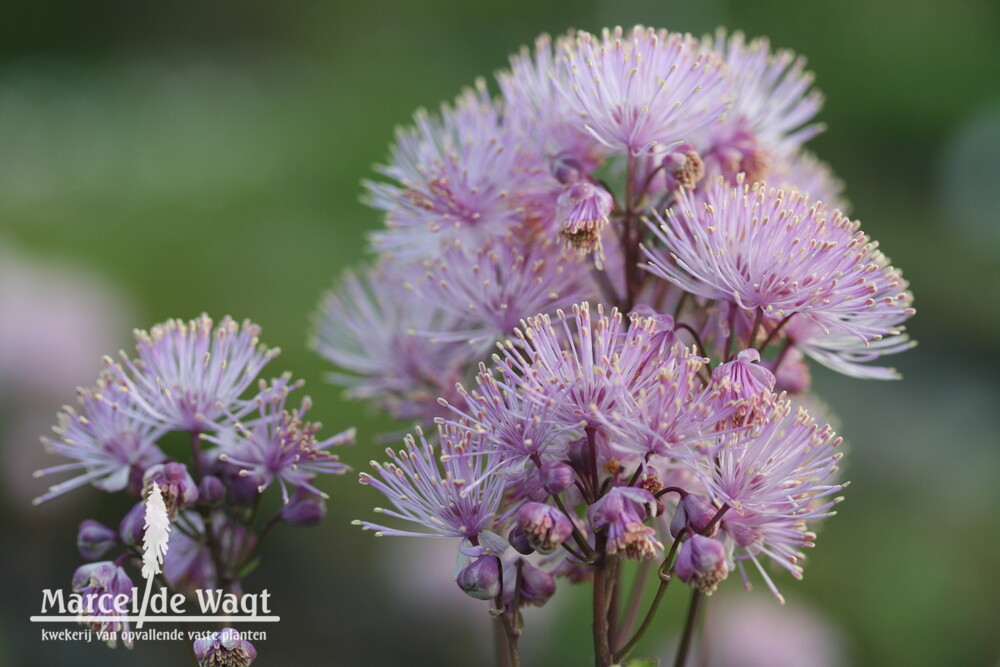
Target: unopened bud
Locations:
point(304, 509)
point(519, 540)
point(701, 563)
point(556, 477)
point(481, 578)
point(693, 513)
point(537, 586)
point(94, 539)
point(211, 491)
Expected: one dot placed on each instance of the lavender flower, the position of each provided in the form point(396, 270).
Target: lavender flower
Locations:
point(188, 373)
point(101, 584)
point(782, 255)
point(547, 119)
point(775, 478)
point(280, 446)
point(643, 89)
point(770, 110)
point(435, 490)
point(587, 371)
point(368, 327)
point(107, 437)
point(225, 648)
point(454, 178)
point(488, 289)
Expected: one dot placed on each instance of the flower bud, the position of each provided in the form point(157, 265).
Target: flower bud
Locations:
point(94, 539)
point(304, 509)
point(545, 526)
point(481, 578)
point(693, 513)
point(579, 456)
point(701, 563)
point(556, 477)
point(211, 491)
point(131, 526)
point(537, 586)
point(567, 169)
point(178, 489)
point(225, 648)
point(519, 540)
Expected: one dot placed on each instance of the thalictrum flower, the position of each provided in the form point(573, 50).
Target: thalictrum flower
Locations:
point(782, 255)
point(646, 88)
point(433, 488)
point(189, 374)
point(107, 437)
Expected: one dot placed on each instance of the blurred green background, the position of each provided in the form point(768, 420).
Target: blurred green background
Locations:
point(163, 159)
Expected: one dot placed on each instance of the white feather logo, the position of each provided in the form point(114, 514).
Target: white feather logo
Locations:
point(154, 542)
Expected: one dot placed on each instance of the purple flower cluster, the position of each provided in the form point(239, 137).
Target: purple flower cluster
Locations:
point(200, 379)
point(634, 227)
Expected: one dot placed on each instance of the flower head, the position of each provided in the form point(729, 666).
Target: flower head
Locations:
point(771, 108)
point(190, 374)
point(280, 446)
point(437, 490)
point(780, 253)
point(646, 88)
point(701, 563)
point(368, 327)
point(454, 177)
point(108, 437)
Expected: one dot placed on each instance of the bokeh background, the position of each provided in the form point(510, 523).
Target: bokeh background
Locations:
point(163, 159)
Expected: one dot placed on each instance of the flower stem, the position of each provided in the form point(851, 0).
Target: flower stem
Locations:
point(685, 645)
point(602, 647)
point(666, 574)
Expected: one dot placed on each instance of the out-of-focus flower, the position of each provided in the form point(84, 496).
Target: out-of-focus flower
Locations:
point(488, 288)
point(94, 539)
point(304, 509)
point(368, 327)
point(100, 584)
point(107, 437)
point(225, 648)
point(752, 631)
